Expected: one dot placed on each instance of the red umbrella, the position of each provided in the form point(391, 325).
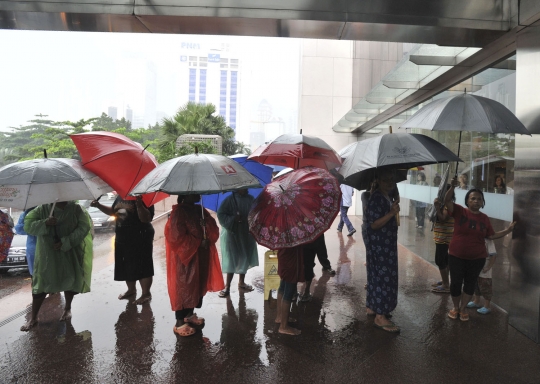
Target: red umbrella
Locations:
point(297, 151)
point(296, 209)
point(118, 160)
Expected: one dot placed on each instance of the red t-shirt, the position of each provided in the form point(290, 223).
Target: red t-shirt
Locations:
point(470, 231)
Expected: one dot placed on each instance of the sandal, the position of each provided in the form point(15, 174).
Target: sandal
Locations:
point(453, 314)
point(483, 311)
point(464, 316)
point(386, 327)
point(440, 289)
point(305, 297)
point(193, 319)
point(184, 330)
point(472, 304)
point(224, 293)
point(246, 287)
point(434, 285)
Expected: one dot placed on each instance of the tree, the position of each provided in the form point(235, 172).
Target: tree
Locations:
point(107, 123)
point(194, 118)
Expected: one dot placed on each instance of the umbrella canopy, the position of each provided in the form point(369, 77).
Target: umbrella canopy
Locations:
point(284, 171)
point(394, 151)
point(466, 112)
point(261, 172)
point(297, 151)
point(296, 209)
point(42, 181)
point(196, 174)
point(118, 160)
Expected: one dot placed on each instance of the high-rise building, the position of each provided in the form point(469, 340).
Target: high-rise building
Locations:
point(213, 76)
point(113, 112)
point(129, 114)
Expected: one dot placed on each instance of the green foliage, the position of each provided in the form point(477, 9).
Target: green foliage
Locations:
point(29, 141)
point(194, 118)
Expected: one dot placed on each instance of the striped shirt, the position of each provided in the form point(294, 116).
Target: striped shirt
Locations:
point(443, 231)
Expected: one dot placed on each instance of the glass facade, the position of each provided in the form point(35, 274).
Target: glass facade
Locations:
point(488, 164)
point(192, 83)
point(223, 93)
point(202, 86)
point(233, 99)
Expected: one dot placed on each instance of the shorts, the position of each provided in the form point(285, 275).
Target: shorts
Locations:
point(484, 288)
point(441, 255)
point(287, 290)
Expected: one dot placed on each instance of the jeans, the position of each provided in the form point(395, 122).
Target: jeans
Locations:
point(344, 220)
point(420, 216)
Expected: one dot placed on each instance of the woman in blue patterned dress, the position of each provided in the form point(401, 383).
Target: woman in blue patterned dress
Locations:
point(381, 253)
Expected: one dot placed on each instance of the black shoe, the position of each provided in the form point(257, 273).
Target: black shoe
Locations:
point(340, 229)
point(352, 232)
point(329, 270)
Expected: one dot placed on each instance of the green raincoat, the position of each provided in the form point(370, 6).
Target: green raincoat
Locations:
point(70, 268)
point(238, 247)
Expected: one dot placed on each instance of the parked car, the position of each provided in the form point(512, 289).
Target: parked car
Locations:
point(16, 257)
point(101, 220)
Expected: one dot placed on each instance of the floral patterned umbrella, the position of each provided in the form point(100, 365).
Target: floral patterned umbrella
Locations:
point(296, 209)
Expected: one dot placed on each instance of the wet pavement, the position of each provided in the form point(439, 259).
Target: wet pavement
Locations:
point(113, 341)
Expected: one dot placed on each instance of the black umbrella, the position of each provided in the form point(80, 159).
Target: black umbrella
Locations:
point(466, 112)
point(396, 151)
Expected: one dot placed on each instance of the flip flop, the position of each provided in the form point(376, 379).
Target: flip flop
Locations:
point(224, 293)
point(440, 289)
point(436, 284)
point(184, 330)
point(246, 287)
point(464, 316)
point(453, 314)
point(386, 326)
point(194, 319)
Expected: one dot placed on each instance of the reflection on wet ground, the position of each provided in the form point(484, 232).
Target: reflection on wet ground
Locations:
point(110, 340)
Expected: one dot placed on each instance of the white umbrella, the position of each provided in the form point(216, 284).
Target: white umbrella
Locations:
point(196, 174)
point(31, 183)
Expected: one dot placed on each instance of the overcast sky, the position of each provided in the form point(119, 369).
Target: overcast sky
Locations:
point(74, 75)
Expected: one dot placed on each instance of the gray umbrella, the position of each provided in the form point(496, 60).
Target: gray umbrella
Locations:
point(466, 112)
point(31, 183)
point(397, 151)
point(196, 174)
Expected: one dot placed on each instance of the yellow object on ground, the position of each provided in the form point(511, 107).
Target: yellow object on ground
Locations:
point(271, 277)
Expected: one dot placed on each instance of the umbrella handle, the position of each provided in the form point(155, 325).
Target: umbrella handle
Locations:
point(52, 209)
point(458, 148)
point(202, 220)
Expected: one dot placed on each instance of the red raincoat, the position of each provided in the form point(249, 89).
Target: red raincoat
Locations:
point(192, 270)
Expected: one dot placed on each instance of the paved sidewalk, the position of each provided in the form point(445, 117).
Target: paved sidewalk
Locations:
point(113, 341)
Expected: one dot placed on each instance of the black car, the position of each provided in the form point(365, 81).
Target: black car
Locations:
point(16, 257)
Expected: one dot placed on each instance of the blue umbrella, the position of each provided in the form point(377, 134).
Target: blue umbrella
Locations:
point(261, 172)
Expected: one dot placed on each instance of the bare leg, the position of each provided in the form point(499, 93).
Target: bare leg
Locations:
point(456, 301)
point(241, 279)
point(67, 308)
point(37, 302)
point(279, 300)
point(464, 301)
point(487, 304)
point(306, 296)
point(284, 326)
point(476, 300)
point(229, 281)
point(146, 296)
point(132, 290)
point(445, 278)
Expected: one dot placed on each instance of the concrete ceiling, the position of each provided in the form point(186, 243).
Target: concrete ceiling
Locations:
point(463, 23)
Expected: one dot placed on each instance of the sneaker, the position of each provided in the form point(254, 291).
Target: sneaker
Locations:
point(329, 270)
point(352, 232)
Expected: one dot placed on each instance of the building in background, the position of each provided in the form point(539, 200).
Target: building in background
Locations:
point(211, 74)
point(113, 112)
point(129, 114)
